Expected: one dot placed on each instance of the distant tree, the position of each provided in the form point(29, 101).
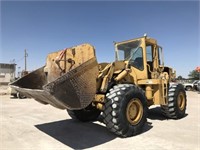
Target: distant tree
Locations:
point(194, 74)
point(179, 77)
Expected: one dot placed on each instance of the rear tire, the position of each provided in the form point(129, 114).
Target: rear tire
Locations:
point(20, 96)
point(125, 110)
point(89, 113)
point(188, 88)
point(15, 95)
point(177, 102)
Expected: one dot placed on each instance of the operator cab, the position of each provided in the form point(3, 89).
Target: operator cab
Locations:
point(143, 54)
point(131, 52)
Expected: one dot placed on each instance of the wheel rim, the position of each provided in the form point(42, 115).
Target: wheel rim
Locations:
point(181, 101)
point(134, 111)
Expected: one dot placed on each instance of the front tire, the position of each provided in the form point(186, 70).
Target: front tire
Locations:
point(125, 110)
point(89, 113)
point(177, 102)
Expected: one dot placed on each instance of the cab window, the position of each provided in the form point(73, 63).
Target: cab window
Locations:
point(137, 59)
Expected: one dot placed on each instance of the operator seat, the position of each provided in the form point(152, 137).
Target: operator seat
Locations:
point(138, 63)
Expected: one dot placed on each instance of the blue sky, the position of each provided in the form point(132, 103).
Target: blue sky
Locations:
point(44, 27)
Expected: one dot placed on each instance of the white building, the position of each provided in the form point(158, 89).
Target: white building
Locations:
point(7, 73)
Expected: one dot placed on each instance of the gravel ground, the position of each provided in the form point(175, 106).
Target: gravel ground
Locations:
point(27, 124)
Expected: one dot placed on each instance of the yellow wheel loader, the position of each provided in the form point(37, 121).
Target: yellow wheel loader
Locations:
point(122, 90)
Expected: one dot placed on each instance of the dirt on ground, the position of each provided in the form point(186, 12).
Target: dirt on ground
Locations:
point(4, 90)
point(27, 124)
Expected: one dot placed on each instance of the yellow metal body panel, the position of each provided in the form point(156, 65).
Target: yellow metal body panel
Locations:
point(58, 63)
point(157, 95)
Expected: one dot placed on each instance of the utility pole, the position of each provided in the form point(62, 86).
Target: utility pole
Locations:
point(25, 55)
point(19, 72)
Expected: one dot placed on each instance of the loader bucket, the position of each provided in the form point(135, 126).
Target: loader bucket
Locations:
point(68, 80)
